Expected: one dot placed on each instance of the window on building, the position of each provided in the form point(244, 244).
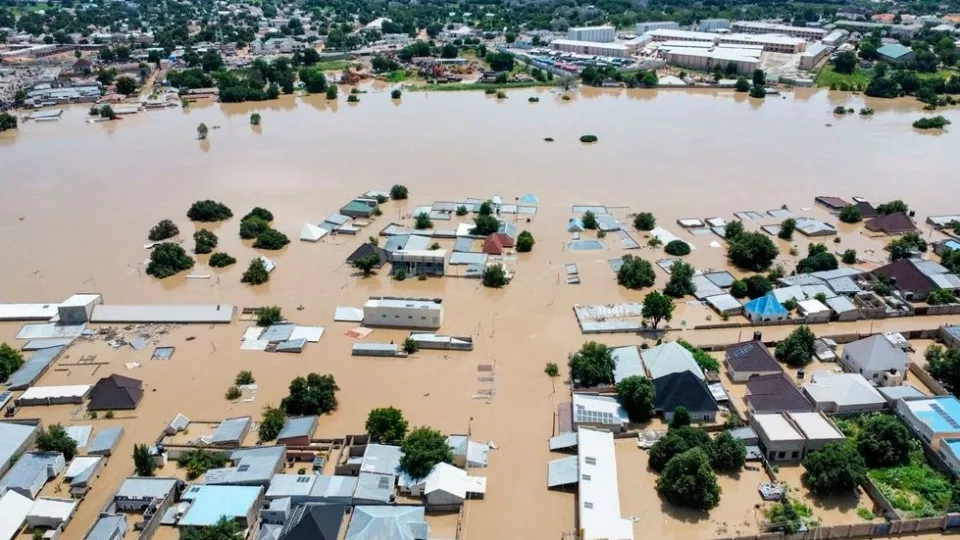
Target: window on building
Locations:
point(795, 455)
point(781, 455)
point(591, 460)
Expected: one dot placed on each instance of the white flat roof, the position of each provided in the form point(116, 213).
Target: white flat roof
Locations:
point(815, 426)
point(60, 509)
point(680, 34)
point(28, 312)
point(599, 493)
point(14, 508)
point(80, 299)
point(43, 392)
point(762, 38)
point(777, 428)
point(617, 46)
point(212, 313)
point(417, 303)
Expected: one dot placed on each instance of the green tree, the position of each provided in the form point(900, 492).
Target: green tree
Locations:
point(202, 131)
point(636, 395)
point(786, 229)
point(677, 248)
point(757, 285)
point(56, 439)
point(817, 261)
point(10, 361)
point(163, 230)
point(883, 441)
point(386, 425)
point(845, 62)
point(681, 280)
point(681, 418)
point(315, 394)
point(941, 297)
point(552, 369)
point(252, 227)
point(233, 393)
point(106, 111)
point(143, 462)
point(204, 241)
point(398, 192)
point(758, 91)
point(733, 230)
point(738, 289)
point(759, 78)
point(644, 221)
point(422, 221)
point(225, 529)
point(797, 349)
point(589, 220)
point(677, 441)
point(168, 259)
point(367, 263)
point(838, 468)
point(500, 61)
point(742, 85)
point(486, 208)
point(269, 315)
point(410, 345)
point(7, 121)
point(260, 213)
point(636, 273)
point(657, 307)
point(907, 246)
point(271, 239)
point(256, 273)
point(850, 214)
point(944, 365)
point(592, 365)
point(751, 251)
point(702, 357)
point(462, 210)
point(220, 260)
point(893, 207)
point(850, 256)
point(255, 119)
point(687, 480)
point(728, 453)
point(422, 449)
point(244, 377)
point(272, 424)
point(331, 92)
point(396, 93)
point(126, 85)
point(525, 242)
point(485, 224)
point(208, 210)
point(495, 276)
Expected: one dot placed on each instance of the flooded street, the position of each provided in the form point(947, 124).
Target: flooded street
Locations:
point(78, 199)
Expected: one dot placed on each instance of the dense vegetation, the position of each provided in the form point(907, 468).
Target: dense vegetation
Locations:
point(10, 361)
point(56, 439)
point(208, 210)
point(635, 273)
point(313, 394)
point(592, 365)
point(163, 230)
point(221, 259)
point(256, 273)
point(818, 259)
point(422, 449)
point(168, 259)
point(636, 394)
point(797, 349)
point(751, 250)
point(387, 424)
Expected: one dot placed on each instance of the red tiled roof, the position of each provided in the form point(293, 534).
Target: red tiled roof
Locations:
point(504, 239)
point(492, 245)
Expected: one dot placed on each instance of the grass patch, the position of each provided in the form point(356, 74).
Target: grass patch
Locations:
point(828, 77)
point(915, 488)
point(333, 65)
point(865, 514)
point(460, 87)
point(395, 76)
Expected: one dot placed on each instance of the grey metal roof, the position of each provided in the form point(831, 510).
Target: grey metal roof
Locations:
point(334, 488)
point(724, 302)
point(108, 528)
point(374, 487)
point(290, 485)
point(561, 472)
point(720, 279)
point(387, 523)
point(381, 458)
point(33, 368)
point(231, 430)
point(31, 465)
point(876, 353)
point(292, 345)
point(115, 313)
point(278, 332)
point(563, 441)
point(298, 426)
point(628, 362)
point(137, 487)
point(463, 257)
point(841, 304)
point(892, 393)
point(844, 285)
point(464, 244)
point(250, 466)
point(396, 242)
point(704, 288)
point(417, 242)
point(12, 437)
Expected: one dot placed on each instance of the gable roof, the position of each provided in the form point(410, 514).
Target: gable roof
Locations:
point(670, 357)
point(775, 393)
point(897, 223)
point(866, 209)
point(767, 305)
point(313, 522)
point(751, 356)
point(447, 478)
point(909, 278)
point(844, 389)
point(683, 389)
point(505, 239)
point(116, 392)
point(387, 523)
point(894, 50)
point(493, 245)
point(876, 353)
point(366, 250)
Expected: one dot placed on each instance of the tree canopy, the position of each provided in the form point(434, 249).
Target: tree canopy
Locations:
point(636, 395)
point(386, 424)
point(209, 210)
point(677, 441)
point(657, 307)
point(907, 246)
point(204, 241)
point(944, 365)
point(252, 226)
point(168, 259)
point(729, 453)
point(702, 357)
point(592, 365)
point(259, 212)
point(495, 276)
point(732, 230)
point(589, 220)
point(644, 221)
point(845, 62)
point(485, 224)
point(225, 529)
point(681, 280)
point(56, 439)
point(143, 462)
point(10, 361)
point(525, 242)
point(751, 251)
point(315, 394)
point(422, 221)
point(273, 420)
point(422, 449)
point(163, 230)
point(681, 418)
point(738, 289)
point(893, 207)
point(221, 259)
point(677, 248)
point(687, 480)
point(757, 285)
point(838, 468)
point(398, 192)
point(636, 273)
point(787, 227)
point(818, 259)
point(883, 441)
point(271, 239)
point(797, 349)
point(256, 273)
point(850, 214)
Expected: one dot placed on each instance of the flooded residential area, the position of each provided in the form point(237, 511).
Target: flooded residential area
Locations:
point(79, 199)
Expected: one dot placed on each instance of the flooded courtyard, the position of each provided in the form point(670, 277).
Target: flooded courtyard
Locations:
point(78, 200)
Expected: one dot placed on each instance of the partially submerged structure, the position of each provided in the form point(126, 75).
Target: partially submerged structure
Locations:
point(393, 312)
point(115, 392)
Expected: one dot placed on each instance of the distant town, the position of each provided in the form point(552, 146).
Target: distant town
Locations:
point(152, 57)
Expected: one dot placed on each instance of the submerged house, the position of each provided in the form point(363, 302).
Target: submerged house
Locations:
point(898, 223)
point(765, 309)
point(684, 389)
point(115, 392)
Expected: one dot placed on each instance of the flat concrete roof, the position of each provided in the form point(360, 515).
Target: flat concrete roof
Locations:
point(777, 428)
point(212, 313)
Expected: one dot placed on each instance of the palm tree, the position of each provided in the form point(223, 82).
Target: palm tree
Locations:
point(202, 131)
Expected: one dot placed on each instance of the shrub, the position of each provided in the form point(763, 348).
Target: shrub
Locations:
point(272, 424)
point(495, 276)
point(893, 207)
point(332, 91)
point(208, 210)
point(644, 221)
point(233, 393)
point(220, 260)
point(849, 256)
point(681, 280)
point(636, 394)
point(10, 361)
point(259, 212)
point(738, 289)
point(588, 138)
point(839, 109)
point(838, 468)
point(592, 365)
point(204, 241)
point(677, 248)
point(386, 425)
point(143, 462)
point(255, 119)
point(485, 224)
point(702, 357)
point(269, 315)
point(758, 91)
point(525, 242)
point(398, 192)
point(163, 230)
point(244, 377)
point(635, 273)
point(589, 220)
point(256, 273)
point(251, 227)
point(850, 214)
point(533, 99)
point(422, 221)
point(786, 229)
point(687, 480)
point(395, 94)
point(410, 345)
point(743, 85)
point(168, 259)
point(462, 210)
point(56, 439)
point(941, 297)
point(353, 98)
point(937, 122)
point(552, 369)
point(271, 239)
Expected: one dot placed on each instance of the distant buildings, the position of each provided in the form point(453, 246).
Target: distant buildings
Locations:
point(896, 53)
point(803, 32)
point(599, 34)
point(671, 34)
point(814, 55)
point(591, 48)
point(710, 25)
point(644, 27)
point(769, 42)
point(418, 313)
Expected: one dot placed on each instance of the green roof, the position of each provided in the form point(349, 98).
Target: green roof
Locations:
point(894, 50)
point(357, 207)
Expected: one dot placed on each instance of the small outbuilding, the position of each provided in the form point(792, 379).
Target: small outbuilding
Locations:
point(765, 309)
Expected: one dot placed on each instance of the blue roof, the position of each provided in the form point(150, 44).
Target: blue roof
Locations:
point(210, 503)
point(954, 445)
point(33, 368)
point(941, 414)
point(894, 50)
point(951, 244)
point(766, 305)
point(12, 437)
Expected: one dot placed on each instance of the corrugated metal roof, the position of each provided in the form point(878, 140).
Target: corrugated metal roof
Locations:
point(374, 487)
point(214, 313)
point(231, 430)
point(105, 440)
point(33, 368)
point(298, 426)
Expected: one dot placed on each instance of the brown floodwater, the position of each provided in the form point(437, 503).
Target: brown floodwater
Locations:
point(78, 199)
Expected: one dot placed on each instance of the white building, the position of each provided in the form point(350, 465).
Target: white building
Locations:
point(843, 393)
point(836, 38)
point(668, 34)
point(791, 436)
point(598, 34)
point(403, 312)
point(814, 55)
point(449, 486)
point(599, 412)
point(590, 48)
point(598, 510)
point(712, 25)
point(645, 27)
point(752, 27)
point(770, 42)
point(950, 452)
point(51, 513)
point(745, 60)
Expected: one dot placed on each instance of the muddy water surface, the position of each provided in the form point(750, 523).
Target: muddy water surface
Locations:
point(78, 199)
